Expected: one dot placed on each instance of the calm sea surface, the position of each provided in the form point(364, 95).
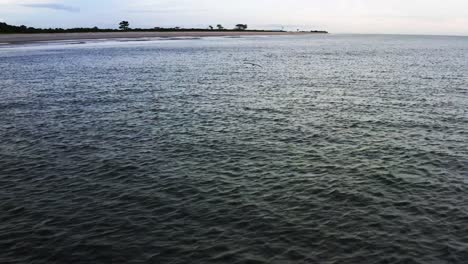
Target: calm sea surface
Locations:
point(291, 149)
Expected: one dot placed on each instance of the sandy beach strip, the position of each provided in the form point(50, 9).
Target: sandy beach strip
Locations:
point(44, 37)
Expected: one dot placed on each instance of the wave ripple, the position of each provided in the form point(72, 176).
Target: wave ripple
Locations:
point(333, 149)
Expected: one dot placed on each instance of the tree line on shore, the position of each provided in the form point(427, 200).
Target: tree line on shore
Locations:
point(123, 26)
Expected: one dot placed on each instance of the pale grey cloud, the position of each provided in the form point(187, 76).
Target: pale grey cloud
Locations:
point(54, 6)
point(166, 10)
point(5, 2)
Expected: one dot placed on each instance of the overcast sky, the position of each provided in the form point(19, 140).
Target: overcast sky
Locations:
point(448, 17)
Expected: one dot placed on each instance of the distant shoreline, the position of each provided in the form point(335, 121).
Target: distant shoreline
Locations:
point(19, 38)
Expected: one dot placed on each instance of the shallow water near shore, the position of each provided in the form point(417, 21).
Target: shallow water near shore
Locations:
point(284, 149)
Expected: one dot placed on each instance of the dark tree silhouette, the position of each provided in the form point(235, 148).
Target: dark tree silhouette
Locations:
point(241, 27)
point(124, 25)
point(211, 27)
point(5, 28)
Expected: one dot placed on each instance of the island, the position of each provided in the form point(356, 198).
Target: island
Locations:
point(10, 34)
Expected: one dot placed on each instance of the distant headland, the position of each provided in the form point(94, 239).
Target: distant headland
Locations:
point(22, 34)
point(124, 26)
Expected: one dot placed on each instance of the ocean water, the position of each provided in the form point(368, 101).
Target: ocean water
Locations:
point(286, 149)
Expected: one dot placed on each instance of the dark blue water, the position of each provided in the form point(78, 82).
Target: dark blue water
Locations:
point(313, 149)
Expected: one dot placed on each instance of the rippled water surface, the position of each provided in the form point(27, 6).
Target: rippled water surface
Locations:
point(312, 149)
